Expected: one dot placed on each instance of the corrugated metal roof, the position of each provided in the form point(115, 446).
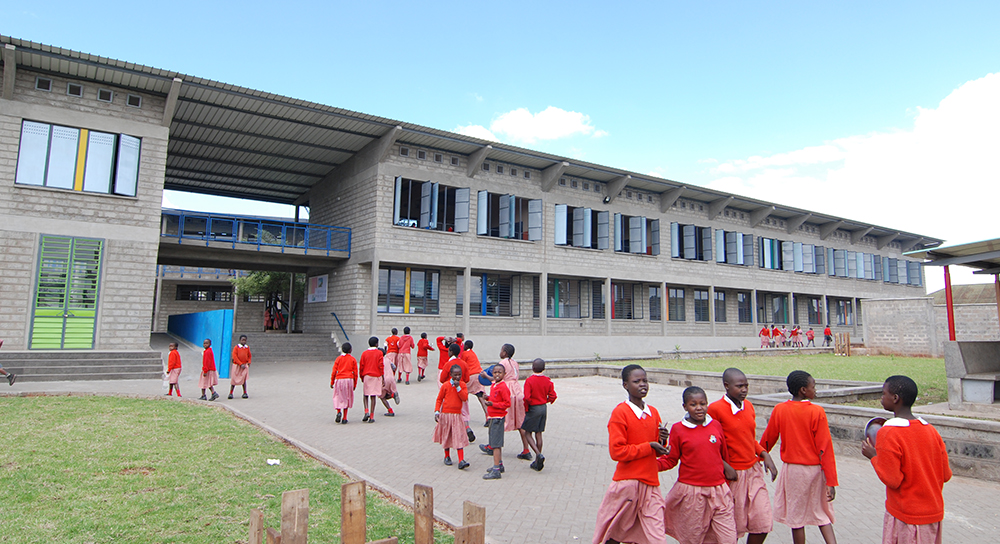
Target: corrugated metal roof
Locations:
point(234, 141)
point(984, 255)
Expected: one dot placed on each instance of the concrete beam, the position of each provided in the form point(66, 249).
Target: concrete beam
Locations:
point(966, 259)
point(857, 235)
point(795, 222)
point(829, 228)
point(715, 207)
point(615, 187)
point(760, 214)
point(383, 144)
point(551, 175)
point(171, 106)
point(912, 244)
point(9, 71)
point(887, 239)
point(667, 198)
point(476, 160)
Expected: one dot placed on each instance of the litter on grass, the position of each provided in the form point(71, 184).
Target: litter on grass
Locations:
point(274, 461)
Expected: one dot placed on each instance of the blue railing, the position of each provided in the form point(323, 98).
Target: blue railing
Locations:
point(346, 338)
point(247, 231)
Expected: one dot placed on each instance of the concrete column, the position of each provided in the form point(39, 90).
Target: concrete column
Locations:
point(826, 311)
point(291, 295)
point(466, 301)
point(236, 307)
point(711, 307)
point(543, 294)
point(755, 315)
point(663, 308)
point(607, 303)
point(854, 311)
point(791, 309)
point(373, 310)
point(156, 297)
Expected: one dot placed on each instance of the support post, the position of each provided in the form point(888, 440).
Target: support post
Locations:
point(608, 303)
point(467, 301)
point(543, 301)
point(470, 534)
point(291, 293)
point(949, 303)
point(711, 307)
point(353, 519)
point(160, 270)
point(663, 308)
point(996, 285)
point(423, 514)
point(9, 71)
point(373, 313)
point(754, 314)
point(256, 527)
point(295, 516)
point(273, 536)
point(473, 514)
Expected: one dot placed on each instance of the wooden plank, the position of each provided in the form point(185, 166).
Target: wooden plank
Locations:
point(273, 536)
point(256, 527)
point(392, 540)
point(470, 534)
point(295, 516)
point(423, 514)
point(352, 513)
point(473, 514)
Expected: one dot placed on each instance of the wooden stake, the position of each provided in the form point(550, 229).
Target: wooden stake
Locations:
point(273, 536)
point(473, 514)
point(423, 514)
point(392, 540)
point(352, 513)
point(256, 527)
point(295, 516)
point(470, 534)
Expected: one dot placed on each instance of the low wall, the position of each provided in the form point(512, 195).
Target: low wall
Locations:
point(918, 327)
point(216, 325)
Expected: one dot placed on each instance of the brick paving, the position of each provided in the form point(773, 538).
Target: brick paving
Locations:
point(558, 504)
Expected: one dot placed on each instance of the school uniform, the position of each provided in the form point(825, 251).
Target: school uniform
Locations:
point(344, 380)
point(450, 429)
point(809, 463)
point(423, 346)
point(392, 351)
point(443, 354)
point(500, 399)
point(515, 416)
point(912, 462)
point(632, 508)
point(538, 394)
point(752, 506)
point(446, 376)
point(372, 370)
point(765, 337)
point(173, 367)
point(475, 368)
point(389, 383)
point(209, 375)
point(405, 346)
point(241, 365)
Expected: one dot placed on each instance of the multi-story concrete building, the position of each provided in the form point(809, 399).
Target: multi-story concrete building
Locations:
point(447, 233)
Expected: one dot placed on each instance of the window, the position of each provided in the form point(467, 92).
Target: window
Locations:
point(637, 234)
point(627, 298)
point(773, 254)
point(421, 154)
point(486, 167)
point(454, 161)
point(255, 298)
point(133, 101)
point(914, 274)
point(820, 259)
point(527, 175)
point(508, 216)
point(733, 248)
point(562, 182)
point(77, 159)
point(675, 304)
point(744, 303)
point(491, 295)
point(43, 84)
point(852, 265)
point(513, 171)
point(581, 227)
point(105, 95)
point(840, 263)
point(773, 305)
point(74, 89)
point(213, 293)
point(701, 305)
point(814, 310)
point(404, 152)
point(431, 206)
point(499, 169)
point(690, 242)
point(567, 298)
point(655, 296)
point(720, 306)
point(438, 157)
point(574, 183)
point(845, 312)
point(597, 292)
point(408, 290)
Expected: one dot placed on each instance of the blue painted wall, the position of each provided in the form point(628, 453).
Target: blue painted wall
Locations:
point(216, 325)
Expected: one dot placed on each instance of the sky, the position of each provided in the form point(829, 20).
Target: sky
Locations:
point(882, 112)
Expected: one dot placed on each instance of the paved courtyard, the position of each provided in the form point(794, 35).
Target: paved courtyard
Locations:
point(558, 504)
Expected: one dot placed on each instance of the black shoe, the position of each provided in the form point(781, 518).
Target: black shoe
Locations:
point(492, 474)
point(366, 418)
point(524, 456)
point(463, 464)
point(214, 396)
point(246, 396)
point(472, 435)
point(534, 465)
point(339, 416)
point(399, 380)
point(420, 378)
point(407, 382)
point(486, 449)
point(540, 461)
point(447, 461)
point(389, 414)
point(371, 420)
point(203, 397)
point(501, 467)
point(344, 422)
point(487, 424)
point(230, 396)
point(395, 397)
point(11, 378)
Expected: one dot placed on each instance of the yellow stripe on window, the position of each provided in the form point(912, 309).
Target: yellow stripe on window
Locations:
point(406, 293)
point(81, 159)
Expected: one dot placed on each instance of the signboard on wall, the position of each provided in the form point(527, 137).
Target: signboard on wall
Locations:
point(317, 288)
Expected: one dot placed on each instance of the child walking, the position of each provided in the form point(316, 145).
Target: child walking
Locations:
point(497, 403)
point(632, 508)
point(343, 381)
point(173, 369)
point(457, 360)
point(209, 376)
point(241, 367)
point(423, 346)
point(475, 368)
point(372, 375)
point(392, 351)
point(538, 394)
point(911, 460)
point(449, 431)
point(389, 390)
point(516, 398)
point(752, 506)
point(403, 362)
point(808, 481)
point(699, 506)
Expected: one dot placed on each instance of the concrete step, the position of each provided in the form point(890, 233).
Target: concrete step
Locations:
point(90, 376)
point(83, 365)
point(76, 370)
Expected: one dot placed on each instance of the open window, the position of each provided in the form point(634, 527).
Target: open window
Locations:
point(508, 216)
point(581, 227)
point(690, 242)
point(637, 234)
point(431, 206)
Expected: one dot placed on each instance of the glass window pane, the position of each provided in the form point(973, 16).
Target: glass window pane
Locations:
point(100, 158)
point(32, 153)
point(62, 157)
point(127, 176)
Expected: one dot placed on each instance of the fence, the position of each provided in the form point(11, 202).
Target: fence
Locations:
point(353, 519)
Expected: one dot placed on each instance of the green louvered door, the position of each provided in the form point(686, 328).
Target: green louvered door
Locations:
point(65, 309)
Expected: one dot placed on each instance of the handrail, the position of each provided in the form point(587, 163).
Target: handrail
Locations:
point(346, 338)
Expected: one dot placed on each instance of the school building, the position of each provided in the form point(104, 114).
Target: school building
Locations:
point(408, 226)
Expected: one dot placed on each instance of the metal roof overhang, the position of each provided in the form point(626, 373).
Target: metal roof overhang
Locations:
point(983, 255)
point(233, 141)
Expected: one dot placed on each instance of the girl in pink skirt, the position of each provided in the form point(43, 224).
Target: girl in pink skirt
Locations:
point(343, 381)
point(450, 429)
point(174, 370)
point(209, 375)
point(700, 505)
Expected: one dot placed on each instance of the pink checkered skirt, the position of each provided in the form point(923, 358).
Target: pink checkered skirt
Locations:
point(898, 532)
point(450, 431)
point(173, 376)
point(239, 374)
point(343, 394)
point(696, 514)
point(752, 505)
point(631, 511)
point(208, 379)
point(403, 361)
point(800, 497)
point(373, 386)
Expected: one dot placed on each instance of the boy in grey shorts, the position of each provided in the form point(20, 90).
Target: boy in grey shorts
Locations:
point(496, 409)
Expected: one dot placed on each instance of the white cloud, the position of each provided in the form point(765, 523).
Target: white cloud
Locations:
point(658, 172)
point(477, 97)
point(940, 177)
point(552, 123)
point(476, 131)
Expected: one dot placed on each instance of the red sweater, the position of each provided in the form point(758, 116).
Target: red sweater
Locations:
point(405, 344)
point(913, 464)
point(345, 368)
point(805, 436)
point(472, 362)
point(423, 346)
point(392, 344)
point(500, 397)
point(628, 443)
point(173, 360)
point(241, 355)
point(741, 432)
point(371, 363)
point(449, 400)
point(538, 389)
point(443, 355)
point(207, 360)
point(446, 371)
point(700, 450)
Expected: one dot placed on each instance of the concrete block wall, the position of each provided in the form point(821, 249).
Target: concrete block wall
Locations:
point(972, 322)
point(915, 326)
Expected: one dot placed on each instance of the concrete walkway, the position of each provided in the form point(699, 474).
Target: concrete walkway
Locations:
point(558, 504)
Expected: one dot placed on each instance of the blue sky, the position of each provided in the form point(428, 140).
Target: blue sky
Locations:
point(885, 112)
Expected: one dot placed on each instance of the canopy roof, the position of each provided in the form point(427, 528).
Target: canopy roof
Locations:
point(984, 255)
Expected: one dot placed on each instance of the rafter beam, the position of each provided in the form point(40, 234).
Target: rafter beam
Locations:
point(857, 235)
point(793, 223)
point(9, 71)
point(551, 175)
point(983, 258)
point(887, 239)
point(667, 198)
point(715, 207)
point(912, 244)
point(760, 214)
point(615, 187)
point(827, 229)
point(171, 105)
point(476, 160)
point(384, 143)
point(988, 271)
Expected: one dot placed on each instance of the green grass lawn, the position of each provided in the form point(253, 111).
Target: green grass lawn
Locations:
point(106, 469)
point(928, 373)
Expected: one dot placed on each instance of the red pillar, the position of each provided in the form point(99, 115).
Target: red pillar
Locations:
point(950, 305)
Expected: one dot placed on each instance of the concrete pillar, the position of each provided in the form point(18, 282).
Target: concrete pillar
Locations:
point(663, 308)
point(543, 300)
point(236, 307)
point(291, 295)
point(711, 307)
point(373, 310)
point(854, 312)
point(156, 297)
point(755, 315)
point(466, 300)
point(608, 303)
point(791, 308)
point(826, 310)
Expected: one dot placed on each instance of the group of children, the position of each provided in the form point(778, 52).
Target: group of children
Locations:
point(720, 494)
point(773, 337)
point(209, 376)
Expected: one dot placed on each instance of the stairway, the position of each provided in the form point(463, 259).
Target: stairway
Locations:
point(279, 347)
point(48, 366)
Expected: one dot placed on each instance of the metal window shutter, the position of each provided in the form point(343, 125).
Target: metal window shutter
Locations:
point(461, 209)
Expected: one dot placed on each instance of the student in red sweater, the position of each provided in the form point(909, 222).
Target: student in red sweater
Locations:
point(241, 367)
point(173, 369)
point(392, 351)
point(475, 368)
point(209, 375)
point(538, 393)
point(372, 371)
point(910, 458)
point(699, 507)
point(752, 506)
point(808, 481)
point(497, 402)
point(423, 346)
point(765, 336)
point(827, 336)
point(448, 416)
point(443, 356)
point(632, 508)
point(403, 363)
point(455, 353)
point(343, 381)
